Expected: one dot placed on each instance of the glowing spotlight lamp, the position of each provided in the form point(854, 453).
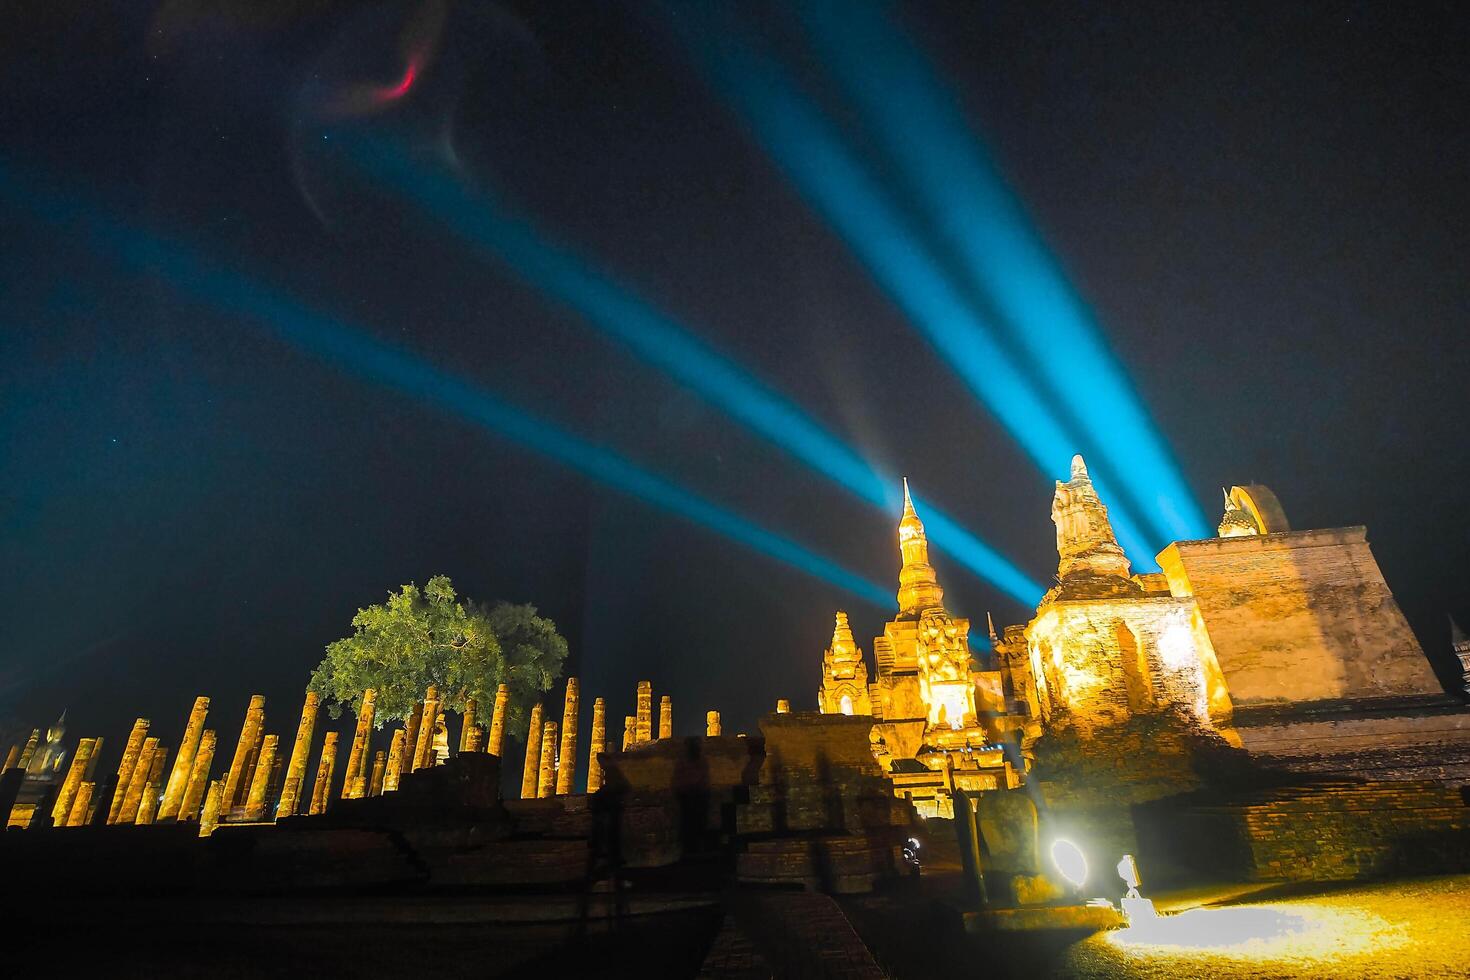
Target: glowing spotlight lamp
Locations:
point(1070, 861)
point(1135, 906)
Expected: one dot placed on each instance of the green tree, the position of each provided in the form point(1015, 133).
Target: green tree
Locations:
point(430, 636)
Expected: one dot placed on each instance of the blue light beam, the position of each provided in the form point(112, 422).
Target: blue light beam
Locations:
point(353, 349)
point(490, 226)
point(811, 153)
point(916, 120)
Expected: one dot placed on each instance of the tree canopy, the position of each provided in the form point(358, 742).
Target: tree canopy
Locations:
point(431, 636)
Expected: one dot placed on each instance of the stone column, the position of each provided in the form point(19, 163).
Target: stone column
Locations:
point(256, 798)
point(630, 731)
point(155, 771)
point(566, 769)
point(411, 737)
point(423, 753)
point(496, 745)
point(12, 758)
point(148, 806)
point(131, 751)
point(711, 724)
point(178, 778)
point(471, 707)
point(546, 786)
point(783, 706)
point(380, 764)
point(132, 797)
point(30, 749)
point(212, 800)
point(236, 785)
point(531, 773)
point(665, 717)
point(475, 739)
point(599, 745)
point(75, 775)
point(321, 790)
point(354, 785)
point(300, 755)
point(394, 771)
point(644, 731)
point(198, 778)
point(77, 815)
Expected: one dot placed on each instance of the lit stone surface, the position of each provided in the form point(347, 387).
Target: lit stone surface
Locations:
point(711, 724)
point(546, 785)
point(237, 778)
point(396, 750)
point(12, 758)
point(644, 731)
point(665, 717)
point(132, 796)
point(598, 746)
point(198, 777)
point(300, 756)
point(496, 745)
point(28, 752)
point(630, 731)
point(257, 800)
point(81, 762)
point(411, 736)
point(148, 805)
point(566, 769)
point(321, 790)
point(467, 723)
point(354, 786)
point(213, 799)
point(80, 806)
point(423, 754)
point(178, 780)
point(783, 706)
point(380, 766)
point(125, 767)
point(844, 688)
point(531, 771)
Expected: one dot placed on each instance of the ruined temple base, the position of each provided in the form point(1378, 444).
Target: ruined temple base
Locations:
point(1408, 738)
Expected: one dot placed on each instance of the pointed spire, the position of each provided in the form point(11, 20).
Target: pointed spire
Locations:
point(908, 502)
point(990, 625)
point(918, 589)
point(844, 647)
point(1079, 468)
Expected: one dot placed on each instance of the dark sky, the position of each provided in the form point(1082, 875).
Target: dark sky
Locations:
point(1265, 205)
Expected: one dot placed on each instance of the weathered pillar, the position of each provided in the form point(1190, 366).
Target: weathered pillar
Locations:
point(496, 745)
point(394, 771)
point(257, 796)
point(424, 749)
point(80, 804)
point(148, 806)
point(131, 751)
point(236, 785)
point(12, 758)
point(711, 723)
point(471, 708)
point(411, 735)
point(475, 739)
point(644, 731)
point(665, 717)
point(212, 801)
point(321, 790)
point(599, 745)
point(137, 780)
point(546, 785)
point(75, 775)
point(155, 771)
point(178, 778)
point(30, 749)
point(566, 768)
point(380, 763)
point(783, 706)
point(531, 772)
point(300, 756)
point(198, 778)
point(354, 785)
point(630, 731)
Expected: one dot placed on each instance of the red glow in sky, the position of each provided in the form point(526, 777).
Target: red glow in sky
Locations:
point(388, 93)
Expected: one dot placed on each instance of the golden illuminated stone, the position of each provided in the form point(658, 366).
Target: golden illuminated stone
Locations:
point(75, 776)
point(354, 786)
point(844, 688)
point(213, 800)
point(81, 804)
point(546, 785)
point(467, 723)
point(396, 751)
point(599, 745)
point(665, 717)
point(12, 758)
point(237, 779)
point(423, 754)
point(380, 766)
point(132, 797)
point(148, 805)
point(630, 731)
point(178, 779)
point(783, 706)
point(28, 753)
point(567, 758)
point(257, 800)
point(496, 745)
point(644, 731)
point(711, 724)
point(321, 790)
point(300, 756)
point(411, 736)
point(918, 587)
point(125, 767)
point(531, 771)
point(198, 778)
point(475, 739)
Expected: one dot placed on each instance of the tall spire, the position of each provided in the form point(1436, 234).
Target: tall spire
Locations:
point(844, 647)
point(1085, 540)
point(918, 588)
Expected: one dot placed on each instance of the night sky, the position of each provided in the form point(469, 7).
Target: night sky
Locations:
point(1265, 207)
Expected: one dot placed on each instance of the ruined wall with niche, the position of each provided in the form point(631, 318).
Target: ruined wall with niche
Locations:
point(1299, 616)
